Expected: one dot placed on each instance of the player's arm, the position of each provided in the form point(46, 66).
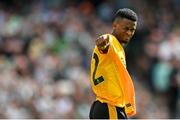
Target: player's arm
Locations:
point(103, 43)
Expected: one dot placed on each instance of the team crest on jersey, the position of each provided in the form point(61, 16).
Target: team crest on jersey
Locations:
point(122, 59)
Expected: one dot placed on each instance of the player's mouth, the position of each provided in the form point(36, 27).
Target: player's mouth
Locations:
point(127, 38)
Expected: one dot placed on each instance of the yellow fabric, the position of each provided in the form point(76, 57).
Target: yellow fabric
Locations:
point(116, 87)
point(112, 112)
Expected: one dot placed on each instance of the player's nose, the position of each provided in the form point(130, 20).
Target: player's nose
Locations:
point(128, 32)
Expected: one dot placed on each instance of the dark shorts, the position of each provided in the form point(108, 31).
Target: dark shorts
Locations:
point(105, 111)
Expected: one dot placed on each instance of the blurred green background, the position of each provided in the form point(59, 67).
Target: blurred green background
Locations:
point(46, 47)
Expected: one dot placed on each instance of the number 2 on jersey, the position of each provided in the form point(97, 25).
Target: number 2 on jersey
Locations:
point(99, 79)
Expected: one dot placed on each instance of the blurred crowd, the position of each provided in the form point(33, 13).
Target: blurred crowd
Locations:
point(45, 55)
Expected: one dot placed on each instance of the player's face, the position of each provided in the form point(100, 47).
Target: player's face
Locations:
point(124, 29)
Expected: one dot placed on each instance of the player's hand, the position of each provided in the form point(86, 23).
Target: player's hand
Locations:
point(102, 42)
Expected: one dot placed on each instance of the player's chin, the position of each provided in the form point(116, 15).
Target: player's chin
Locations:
point(126, 41)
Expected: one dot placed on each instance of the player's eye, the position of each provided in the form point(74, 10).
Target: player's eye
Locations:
point(125, 28)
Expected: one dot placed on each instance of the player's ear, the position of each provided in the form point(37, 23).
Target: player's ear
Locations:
point(114, 25)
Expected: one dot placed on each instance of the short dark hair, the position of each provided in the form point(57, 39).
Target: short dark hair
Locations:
point(126, 13)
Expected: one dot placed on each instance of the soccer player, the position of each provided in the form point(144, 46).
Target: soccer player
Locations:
point(110, 80)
